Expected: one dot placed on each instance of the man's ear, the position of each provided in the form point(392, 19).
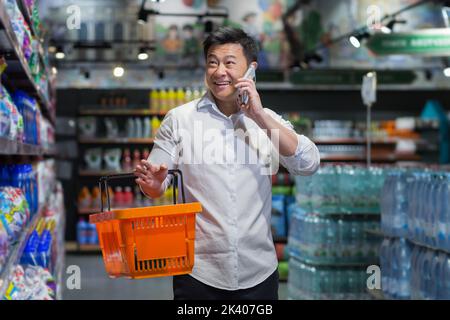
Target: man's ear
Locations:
point(254, 64)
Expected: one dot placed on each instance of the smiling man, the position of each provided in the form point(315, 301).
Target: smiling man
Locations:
point(235, 256)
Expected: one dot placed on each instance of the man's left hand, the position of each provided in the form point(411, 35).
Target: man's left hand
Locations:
point(253, 109)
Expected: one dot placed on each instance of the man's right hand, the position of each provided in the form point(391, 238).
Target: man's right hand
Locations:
point(151, 177)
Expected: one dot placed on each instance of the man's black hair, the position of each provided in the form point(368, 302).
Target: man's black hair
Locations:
point(225, 35)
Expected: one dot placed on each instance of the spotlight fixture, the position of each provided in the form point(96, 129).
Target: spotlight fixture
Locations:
point(142, 14)
point(60, 53)
point(447, 72)
point(118, 71)
point(143, 55)
point(355, 40)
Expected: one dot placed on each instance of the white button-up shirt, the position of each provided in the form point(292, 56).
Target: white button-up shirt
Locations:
point(234, 248)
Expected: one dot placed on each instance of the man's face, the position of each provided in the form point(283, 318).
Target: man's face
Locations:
point(225, 64)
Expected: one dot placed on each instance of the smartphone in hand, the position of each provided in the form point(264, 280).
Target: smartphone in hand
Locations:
point(249, 74)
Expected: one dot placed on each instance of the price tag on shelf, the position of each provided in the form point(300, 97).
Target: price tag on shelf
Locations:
point(369, 89)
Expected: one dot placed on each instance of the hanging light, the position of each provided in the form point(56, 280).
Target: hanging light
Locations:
point(54, 70)
point(355, 40)
point(60, 53)
point(118, 71)
point(143, 55)
point(447, 72)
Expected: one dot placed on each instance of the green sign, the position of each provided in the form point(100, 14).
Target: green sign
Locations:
point(349, 77)
point(429, 42)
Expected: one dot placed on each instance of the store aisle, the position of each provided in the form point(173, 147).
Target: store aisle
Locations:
point(95, 285)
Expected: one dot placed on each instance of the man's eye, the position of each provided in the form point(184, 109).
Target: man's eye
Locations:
point(212, 62)
point(231, 62)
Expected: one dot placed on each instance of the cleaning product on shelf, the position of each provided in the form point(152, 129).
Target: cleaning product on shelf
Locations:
point(163, 100)
point(180, 97)
point(14, 212)
point(118, 197)
point(145, 153)
point(136, 158)
point(154, 100)
point(82, 226)
point(95, 196)
point(138, 126)
point(84, 198)
point(171, 99)
point(127, 164)
point(155, 125)
point(4, 246)
point(112, 159)
point(147, 128)
point(128, 198)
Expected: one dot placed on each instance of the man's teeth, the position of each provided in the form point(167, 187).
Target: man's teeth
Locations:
point(223, 83)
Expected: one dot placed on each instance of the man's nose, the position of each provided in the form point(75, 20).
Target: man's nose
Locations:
point(221, 70)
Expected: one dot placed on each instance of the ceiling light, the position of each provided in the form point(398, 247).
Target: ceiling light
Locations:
point(51, 49)
point(54, 70)
point(386, 30)
point(118, 71)
point(355, 42)
point(143, 55)
point(60, 55)
point(447, 72)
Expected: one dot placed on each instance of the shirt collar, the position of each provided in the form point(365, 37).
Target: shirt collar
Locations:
point(208, 101)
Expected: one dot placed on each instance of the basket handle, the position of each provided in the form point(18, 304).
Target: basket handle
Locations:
point(103, 183)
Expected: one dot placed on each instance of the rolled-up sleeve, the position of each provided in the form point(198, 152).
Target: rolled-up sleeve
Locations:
point(306, 159)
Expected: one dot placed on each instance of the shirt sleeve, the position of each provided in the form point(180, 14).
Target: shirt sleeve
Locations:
point(165, 147)
point(306, 159)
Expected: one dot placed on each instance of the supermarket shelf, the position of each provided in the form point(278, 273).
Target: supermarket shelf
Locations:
point(387, 158)
point(94, 248)
point(377, 294)
point(100, 173)
point(23, 64)
point(387, 141)
point(121, 112)
point(26, 15)
point(10, 147)
point(115, 141)
point(16, 252)
point(331, 265)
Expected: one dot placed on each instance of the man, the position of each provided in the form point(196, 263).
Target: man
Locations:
point(235, 256)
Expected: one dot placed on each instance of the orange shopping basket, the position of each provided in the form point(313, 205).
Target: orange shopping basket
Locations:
point(150, 241)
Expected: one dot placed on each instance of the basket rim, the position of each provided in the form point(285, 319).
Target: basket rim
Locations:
point(146, 212)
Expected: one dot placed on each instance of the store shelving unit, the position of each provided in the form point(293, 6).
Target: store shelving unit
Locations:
point(18, 68)
point(18, 75)
point(386, 158)
point(120, 112)
point(16, 253)
point(115, 141)
point(9, 147)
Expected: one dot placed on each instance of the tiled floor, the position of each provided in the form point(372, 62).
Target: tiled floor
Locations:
point(95, 285)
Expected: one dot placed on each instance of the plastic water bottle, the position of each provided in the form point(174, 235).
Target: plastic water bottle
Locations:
point(436, 276)
point(428, 284)
point(446, 277)
point(385, 270)
point(403, 251)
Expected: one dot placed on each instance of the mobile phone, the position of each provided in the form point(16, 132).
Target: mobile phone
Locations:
point(249, 74)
